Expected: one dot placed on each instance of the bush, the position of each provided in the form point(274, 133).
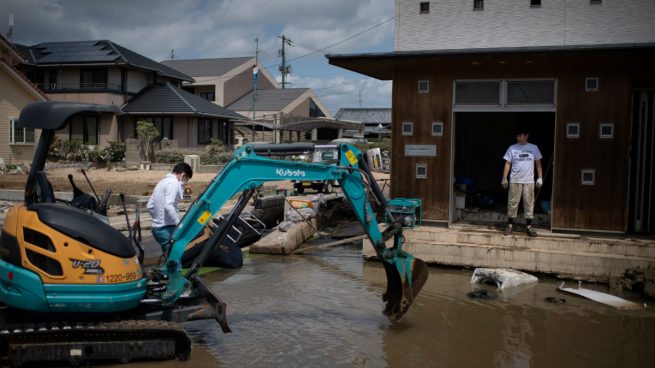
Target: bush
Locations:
point(215, 153)
point(116, 151)
point(169, 156)
point(216, 158)
point(146, 132)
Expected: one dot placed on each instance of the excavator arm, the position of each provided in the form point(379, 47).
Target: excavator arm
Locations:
point(250, 168)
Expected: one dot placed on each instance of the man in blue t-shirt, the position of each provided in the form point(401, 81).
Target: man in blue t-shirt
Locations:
point(520, 160)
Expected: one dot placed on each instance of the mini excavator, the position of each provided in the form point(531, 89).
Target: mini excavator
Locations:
point(72, 288)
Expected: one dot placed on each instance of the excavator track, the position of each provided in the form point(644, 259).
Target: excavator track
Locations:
point(74, 343)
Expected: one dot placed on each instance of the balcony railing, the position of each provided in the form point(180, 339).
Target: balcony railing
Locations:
point(79, 87)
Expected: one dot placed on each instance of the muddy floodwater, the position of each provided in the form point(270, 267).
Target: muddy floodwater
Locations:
point(325, 310)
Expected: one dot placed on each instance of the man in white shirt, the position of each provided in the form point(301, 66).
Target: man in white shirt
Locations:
point(521, 159)
point(162, 205)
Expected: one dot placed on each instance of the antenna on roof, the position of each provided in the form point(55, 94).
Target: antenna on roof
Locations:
point(10, 33)
point(172, 54)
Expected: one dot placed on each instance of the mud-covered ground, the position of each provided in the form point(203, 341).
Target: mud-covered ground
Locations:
point(135, 182)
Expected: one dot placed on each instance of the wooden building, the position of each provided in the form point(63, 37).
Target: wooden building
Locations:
point(590, 110)
point(579, 74)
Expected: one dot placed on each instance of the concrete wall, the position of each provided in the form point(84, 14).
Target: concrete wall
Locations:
point(137, 80)
point(453, 24)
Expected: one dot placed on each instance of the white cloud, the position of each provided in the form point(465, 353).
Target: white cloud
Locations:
point(339, 91)
point(227, 28)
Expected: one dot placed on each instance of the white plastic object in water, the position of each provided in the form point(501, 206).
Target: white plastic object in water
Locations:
point(503, 277)
point(600, 297)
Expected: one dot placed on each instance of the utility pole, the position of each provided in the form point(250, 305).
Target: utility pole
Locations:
point(359, 94)
point(255, 82)
point(284, 68)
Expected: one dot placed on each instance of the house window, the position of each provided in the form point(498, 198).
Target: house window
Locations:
point(606, 130)
point(19, 135)
point(535, 3)
point(424, 7)
point(477, 93)
point(204, 131)
point(595, 2)
point(437, 128)
point(93, 78)
point(478, 4)
point(408, 128)
point(423, 86)
point(588, 177)
point(421, 171)
point(209, 96)
point(84, 129)
point(164, 125)
point(573, 130)
point(591, 84)
point(314, 110)
point(523, 92)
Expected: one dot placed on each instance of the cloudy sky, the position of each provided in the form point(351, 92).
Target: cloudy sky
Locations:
point(227, 28)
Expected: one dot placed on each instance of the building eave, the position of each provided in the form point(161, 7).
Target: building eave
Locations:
point(381, 65)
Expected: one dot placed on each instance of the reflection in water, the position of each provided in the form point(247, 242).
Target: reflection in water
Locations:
point(325, 310)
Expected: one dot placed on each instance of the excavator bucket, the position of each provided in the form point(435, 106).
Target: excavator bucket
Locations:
point(406, 276)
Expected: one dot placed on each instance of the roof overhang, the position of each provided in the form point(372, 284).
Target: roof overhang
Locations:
point(381, 65)
point(181, 113)
point(305, 125)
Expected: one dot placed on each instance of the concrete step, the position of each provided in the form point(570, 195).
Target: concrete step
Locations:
point(545, 241)
point(566, 263)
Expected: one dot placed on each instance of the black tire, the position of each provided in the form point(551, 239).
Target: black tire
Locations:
point(327, 187)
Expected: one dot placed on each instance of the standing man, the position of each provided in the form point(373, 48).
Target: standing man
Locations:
point(521, 159)
point(162, 205)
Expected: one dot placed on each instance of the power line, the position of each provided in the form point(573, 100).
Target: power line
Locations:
point(340, 42)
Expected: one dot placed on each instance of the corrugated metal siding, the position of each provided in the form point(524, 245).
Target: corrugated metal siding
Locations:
point(453, 24)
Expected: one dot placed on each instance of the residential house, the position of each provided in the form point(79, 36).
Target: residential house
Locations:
point(222, 80)
point(107, 73)
point(294, 113)
point(16, 91)
point(579, 74)
point(377, 121)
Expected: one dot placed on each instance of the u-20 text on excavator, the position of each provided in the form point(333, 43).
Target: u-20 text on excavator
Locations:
point(73, 287)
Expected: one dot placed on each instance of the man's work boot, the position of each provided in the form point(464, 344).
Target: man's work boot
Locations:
point(531, 231)
point(508, 230)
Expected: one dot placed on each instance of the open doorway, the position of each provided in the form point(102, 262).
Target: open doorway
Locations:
point(641, 213)
point(481, 139)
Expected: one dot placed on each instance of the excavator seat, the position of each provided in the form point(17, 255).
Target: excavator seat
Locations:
point(82, 226)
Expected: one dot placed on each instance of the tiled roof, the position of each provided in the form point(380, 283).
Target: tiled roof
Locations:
point(206, 67)
point(268, 99)
point(95, 52)
point(365, 115)
point(168, 99)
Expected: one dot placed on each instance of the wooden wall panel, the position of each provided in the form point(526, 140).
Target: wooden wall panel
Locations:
point(599, 207)
point(422, 109)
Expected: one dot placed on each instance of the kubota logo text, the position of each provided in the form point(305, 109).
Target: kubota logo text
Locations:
point(289, 172)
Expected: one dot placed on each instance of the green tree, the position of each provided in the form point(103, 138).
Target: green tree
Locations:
point(146, 133)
